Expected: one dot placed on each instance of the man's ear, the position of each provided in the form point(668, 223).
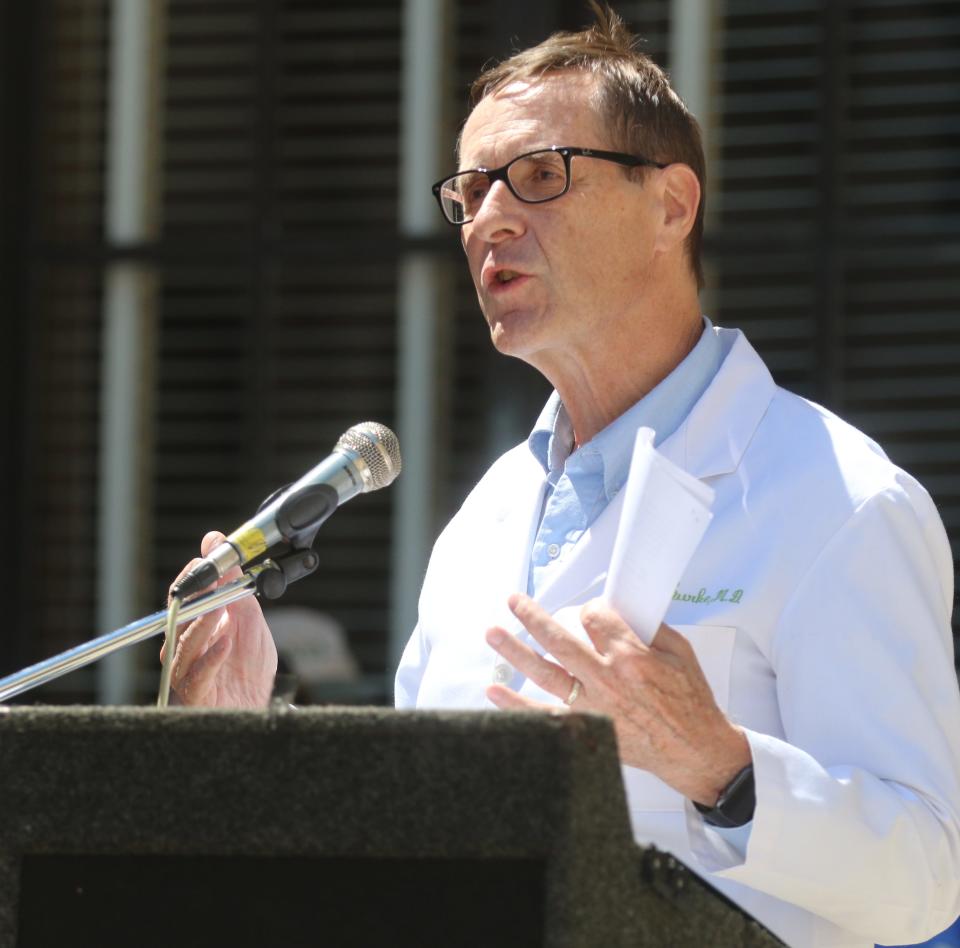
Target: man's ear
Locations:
point(680, 192)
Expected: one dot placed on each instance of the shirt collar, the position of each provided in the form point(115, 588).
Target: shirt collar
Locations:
point(663, 409)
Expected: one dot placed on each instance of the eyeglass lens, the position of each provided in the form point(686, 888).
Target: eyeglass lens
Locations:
point(537, 177)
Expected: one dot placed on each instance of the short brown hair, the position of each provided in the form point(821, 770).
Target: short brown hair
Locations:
point(646, 116)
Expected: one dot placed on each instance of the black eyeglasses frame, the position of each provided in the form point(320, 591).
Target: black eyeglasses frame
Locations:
point(567, 152)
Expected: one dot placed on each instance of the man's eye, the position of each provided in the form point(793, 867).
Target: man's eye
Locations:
point(539, 178)
point(474, 192)
point(545, 174)
point(539, 174)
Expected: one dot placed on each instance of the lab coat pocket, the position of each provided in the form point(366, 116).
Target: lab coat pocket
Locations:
point(713, 645)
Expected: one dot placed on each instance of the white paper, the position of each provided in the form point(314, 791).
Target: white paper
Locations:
point(666, 511)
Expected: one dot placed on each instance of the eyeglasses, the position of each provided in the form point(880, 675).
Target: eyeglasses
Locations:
point(533, 178)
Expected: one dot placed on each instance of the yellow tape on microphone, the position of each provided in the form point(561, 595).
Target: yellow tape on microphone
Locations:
point(249, 541)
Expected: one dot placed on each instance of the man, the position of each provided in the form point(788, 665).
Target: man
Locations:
point(792, 732)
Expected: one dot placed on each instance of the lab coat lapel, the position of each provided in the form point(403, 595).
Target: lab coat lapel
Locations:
point(510, 538)
point(714, 436)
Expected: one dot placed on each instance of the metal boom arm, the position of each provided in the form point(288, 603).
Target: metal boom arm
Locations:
point(137, 631)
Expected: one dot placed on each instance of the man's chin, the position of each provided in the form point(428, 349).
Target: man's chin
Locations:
point(508, 343)
point(513, 335)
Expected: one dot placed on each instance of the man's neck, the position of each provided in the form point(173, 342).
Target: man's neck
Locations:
point(598, 385)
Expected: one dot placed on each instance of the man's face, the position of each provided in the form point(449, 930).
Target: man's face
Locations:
point(583, 260)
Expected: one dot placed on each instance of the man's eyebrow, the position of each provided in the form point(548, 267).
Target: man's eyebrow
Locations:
point(525, 150)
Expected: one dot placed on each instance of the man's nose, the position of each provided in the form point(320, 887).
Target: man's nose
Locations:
point(501, 215)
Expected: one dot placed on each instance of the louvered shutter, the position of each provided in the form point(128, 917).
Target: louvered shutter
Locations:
point(766, 183)
point(279, 294)
point(63, 313)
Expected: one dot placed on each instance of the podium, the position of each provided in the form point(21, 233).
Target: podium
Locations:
point(332, 827)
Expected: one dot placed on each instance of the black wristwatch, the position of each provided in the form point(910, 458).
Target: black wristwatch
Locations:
point(736, 803)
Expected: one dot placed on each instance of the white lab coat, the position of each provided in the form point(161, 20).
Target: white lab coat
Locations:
point(819, 607)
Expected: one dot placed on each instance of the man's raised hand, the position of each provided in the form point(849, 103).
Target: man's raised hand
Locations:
point(663, 711)
point(226, 658)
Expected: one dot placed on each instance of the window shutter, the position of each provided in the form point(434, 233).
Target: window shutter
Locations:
point(64, 314)
point(279, 287)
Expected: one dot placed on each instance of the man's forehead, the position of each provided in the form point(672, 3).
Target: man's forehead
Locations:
point(529, 112)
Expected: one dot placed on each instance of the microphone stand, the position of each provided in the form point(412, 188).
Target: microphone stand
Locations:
point(268, 579)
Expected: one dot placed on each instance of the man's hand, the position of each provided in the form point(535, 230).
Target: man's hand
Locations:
point(663, 711)
point(227, 658)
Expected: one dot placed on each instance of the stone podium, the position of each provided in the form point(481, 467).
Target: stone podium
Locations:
point(334, 827)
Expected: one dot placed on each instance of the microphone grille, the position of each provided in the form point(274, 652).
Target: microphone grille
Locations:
point(378, 448)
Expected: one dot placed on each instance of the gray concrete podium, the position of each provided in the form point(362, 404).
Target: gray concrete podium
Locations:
point(334, 827)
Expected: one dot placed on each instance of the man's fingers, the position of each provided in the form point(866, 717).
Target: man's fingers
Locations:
point(192, 643)
point(197, 682)
point(541, 671)
point(575, 655)
point(606, 628)
point(508, 700)
point(672, 642)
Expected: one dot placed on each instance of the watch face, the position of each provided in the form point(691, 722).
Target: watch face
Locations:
point(736, 803)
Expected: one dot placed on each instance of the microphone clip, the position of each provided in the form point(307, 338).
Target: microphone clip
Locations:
point(280, 571)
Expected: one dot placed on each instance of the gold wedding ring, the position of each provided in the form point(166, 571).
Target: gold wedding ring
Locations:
point(574, 692)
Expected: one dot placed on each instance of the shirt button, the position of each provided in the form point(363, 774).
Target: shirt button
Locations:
point(502, 673)
point(553, 551)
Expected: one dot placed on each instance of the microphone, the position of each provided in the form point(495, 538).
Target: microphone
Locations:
point(365, 458)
